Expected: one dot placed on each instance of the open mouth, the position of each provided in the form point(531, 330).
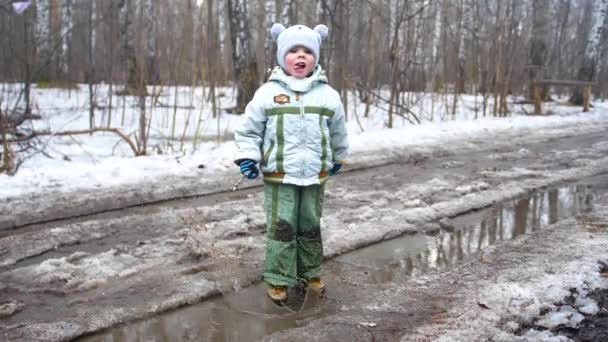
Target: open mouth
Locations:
point(300, 66)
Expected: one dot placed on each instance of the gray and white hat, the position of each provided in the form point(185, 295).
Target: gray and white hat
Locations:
point(298, 35)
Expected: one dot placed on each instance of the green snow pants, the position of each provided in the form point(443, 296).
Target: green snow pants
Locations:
point(294, 250)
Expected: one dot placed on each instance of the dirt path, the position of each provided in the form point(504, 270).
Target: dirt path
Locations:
point(524, 289)
point(66, 278)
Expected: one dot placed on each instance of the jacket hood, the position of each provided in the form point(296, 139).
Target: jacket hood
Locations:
point(301, 85)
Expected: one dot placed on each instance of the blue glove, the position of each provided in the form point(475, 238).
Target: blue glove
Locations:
point(335, 169)
point(248, 169)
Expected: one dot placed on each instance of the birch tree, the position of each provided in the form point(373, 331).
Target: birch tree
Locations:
point(42, 37)
point(596, 11)
point(602, 88)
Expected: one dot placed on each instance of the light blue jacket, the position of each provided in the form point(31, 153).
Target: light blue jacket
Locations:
point(295, 128)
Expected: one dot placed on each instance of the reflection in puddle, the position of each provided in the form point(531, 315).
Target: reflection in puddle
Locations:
point(466, 235)
point(247, 315)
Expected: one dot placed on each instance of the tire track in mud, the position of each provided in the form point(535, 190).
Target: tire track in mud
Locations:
point(162, 248)
point(449, 173)
point(31, 212)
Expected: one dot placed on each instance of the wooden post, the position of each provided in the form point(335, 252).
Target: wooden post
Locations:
point(586, 98)
point(538, 106)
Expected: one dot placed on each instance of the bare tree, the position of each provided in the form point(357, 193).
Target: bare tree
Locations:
point(596, 12)
point(7, 156)
point(212, 45)
point(245, 64)
point(539, 45)
point(27, 61)
point(90, 73)
point(128, 46)
point(556, 61)
point(493, 47)
point(602, 88)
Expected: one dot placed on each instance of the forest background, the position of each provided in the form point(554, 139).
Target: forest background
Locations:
point(384, 53)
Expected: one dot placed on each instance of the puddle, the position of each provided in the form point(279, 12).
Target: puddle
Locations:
point(248, 315)
point(464, 236)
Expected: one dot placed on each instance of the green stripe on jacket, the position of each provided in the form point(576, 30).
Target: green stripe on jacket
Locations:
point(280, 143)
point(323, 144)
point(319, 110)
point(280, 111)
point(296, 110)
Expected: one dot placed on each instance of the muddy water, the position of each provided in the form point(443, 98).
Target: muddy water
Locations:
point(465, 236)
point(247, 315)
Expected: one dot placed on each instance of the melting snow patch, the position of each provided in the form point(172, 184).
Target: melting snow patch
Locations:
point(97, 267)
point(511, 326)
point(555, 318)
point(475, 187)
point(587, 306)
point(543, 336)
point(413, 203)
point(10, 308)
point(555, 294)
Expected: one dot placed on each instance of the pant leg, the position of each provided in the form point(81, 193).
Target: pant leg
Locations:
point(310, 245)
point(281, 202)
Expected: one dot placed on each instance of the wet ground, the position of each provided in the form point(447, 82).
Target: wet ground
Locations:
point(68, 278)
point(503, 294)
point(247, 315)
point(590, 327)
point(594, 328)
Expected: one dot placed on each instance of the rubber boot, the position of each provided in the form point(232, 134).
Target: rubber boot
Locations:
point(277, 293)
point(315, 284)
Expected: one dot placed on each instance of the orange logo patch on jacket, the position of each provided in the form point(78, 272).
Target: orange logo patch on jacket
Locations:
point(281, 99)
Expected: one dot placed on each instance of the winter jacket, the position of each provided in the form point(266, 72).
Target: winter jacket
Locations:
point(295, 128)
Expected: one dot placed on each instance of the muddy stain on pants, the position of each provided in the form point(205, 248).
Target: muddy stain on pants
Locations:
point(294, 249)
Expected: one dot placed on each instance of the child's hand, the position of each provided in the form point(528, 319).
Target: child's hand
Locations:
point(335, 169)
point(248, 169)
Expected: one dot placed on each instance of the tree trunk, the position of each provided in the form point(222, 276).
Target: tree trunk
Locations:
point(5, 157)
point(557, 59)
point(586, 72)
point(27, 64)
point(539, 43)
point(245, 64)
point(211, 57)
point(91, 71)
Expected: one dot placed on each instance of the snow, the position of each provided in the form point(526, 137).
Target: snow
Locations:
point(587, 306)
point(533, 290)
point(99, 161)
point(555, 318)
point(104, 160)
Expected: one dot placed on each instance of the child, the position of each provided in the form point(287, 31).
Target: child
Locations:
point(294, 128)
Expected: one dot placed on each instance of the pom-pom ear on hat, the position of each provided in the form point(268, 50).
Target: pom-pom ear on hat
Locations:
point(322, 30)
point(276, 30)
point(298, 35)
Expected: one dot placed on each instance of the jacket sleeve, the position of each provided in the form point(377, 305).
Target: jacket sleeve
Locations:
point(339, 136)
point(250, 133)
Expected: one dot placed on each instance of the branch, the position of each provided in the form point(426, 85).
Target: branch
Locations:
point(409, 111)
point(35, 134)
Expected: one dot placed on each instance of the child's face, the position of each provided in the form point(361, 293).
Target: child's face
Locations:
point(299, 62)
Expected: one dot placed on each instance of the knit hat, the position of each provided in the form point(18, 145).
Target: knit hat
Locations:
point(298, 35)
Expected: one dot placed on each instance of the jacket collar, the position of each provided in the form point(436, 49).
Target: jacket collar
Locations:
point(301, 85)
